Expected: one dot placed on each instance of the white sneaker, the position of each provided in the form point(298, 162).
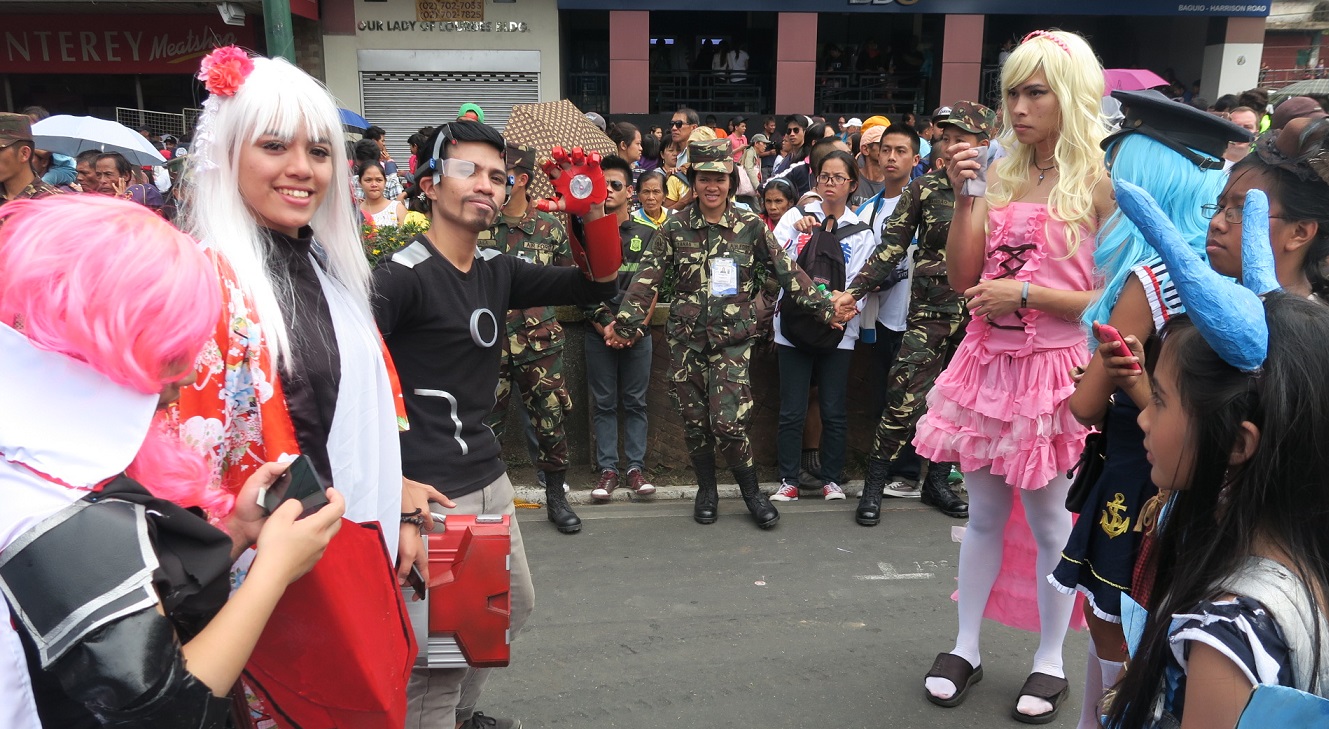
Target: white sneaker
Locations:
point(832, 491)
point(902, 490)
point(787, 491)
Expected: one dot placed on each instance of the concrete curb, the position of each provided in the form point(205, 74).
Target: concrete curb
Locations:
point(576, 497)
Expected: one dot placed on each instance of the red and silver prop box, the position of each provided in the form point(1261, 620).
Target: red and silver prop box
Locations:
point(465, 619)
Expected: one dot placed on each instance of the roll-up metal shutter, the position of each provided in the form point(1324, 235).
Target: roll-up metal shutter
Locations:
point(403, 102)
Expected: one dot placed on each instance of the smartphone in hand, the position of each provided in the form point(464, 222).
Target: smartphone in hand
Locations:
point(1109, 333)
point(301, 482)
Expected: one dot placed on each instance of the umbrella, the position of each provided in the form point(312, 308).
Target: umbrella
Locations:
point(1130, 79)
point(70, 135)
point(553, 124)
point(1309, 87)
point(352, 120)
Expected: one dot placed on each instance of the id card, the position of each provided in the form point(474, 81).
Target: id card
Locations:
point(724, 277)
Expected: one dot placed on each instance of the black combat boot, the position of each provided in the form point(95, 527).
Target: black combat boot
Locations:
point(938, 493)
point(706, 507)
point(763, 512)
point(556, 504)
point(869, 504)
point(809, 473)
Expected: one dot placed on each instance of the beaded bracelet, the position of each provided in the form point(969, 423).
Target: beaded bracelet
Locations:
point(416, 517)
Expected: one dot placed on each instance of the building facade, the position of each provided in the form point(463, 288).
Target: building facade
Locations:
point(410, 63)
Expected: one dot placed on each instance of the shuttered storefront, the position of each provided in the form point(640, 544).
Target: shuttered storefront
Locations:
point(402, 102)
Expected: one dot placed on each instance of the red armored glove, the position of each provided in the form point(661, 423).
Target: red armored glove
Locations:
point(578, 181)
point(579, 184)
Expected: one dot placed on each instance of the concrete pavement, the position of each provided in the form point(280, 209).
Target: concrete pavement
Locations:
point(647, 619)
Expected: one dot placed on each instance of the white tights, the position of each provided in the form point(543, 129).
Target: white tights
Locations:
point(990, 501)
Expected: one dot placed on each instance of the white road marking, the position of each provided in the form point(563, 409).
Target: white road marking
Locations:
point(888, 572)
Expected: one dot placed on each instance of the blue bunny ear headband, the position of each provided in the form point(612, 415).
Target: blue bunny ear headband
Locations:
point(1229, 315)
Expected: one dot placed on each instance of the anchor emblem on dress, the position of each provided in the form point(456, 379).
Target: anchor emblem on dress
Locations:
point(1111, 520)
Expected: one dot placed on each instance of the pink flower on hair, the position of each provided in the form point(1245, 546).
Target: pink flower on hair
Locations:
point(223, 70)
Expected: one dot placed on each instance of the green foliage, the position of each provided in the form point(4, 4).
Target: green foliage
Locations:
point(381, 241)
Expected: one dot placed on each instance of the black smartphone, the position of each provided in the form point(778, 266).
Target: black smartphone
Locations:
point(416, 581)
point(301, 482)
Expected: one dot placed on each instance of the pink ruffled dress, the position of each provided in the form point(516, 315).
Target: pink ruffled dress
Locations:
point(1001, 403)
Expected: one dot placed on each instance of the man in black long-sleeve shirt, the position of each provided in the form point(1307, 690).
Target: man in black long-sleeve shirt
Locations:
point(440, 304)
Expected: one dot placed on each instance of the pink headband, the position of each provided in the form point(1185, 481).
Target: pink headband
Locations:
point(1049, 36)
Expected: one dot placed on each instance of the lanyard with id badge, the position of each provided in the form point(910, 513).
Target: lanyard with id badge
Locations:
point(724, 277)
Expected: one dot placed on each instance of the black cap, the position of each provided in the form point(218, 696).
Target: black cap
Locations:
point(1183, 128)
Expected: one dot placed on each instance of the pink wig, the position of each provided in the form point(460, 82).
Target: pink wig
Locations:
point(110, 283)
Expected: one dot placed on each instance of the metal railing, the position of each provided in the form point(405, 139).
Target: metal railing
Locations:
point(589, 91)
point(159, 122)
point(718, 92)
point(1277, 78)
point(754, 93)
point(868, 93)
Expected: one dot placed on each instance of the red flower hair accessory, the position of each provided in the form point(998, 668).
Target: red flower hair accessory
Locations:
point(223, 70)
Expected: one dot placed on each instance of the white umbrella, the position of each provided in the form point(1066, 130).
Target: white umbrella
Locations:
point(70, 135)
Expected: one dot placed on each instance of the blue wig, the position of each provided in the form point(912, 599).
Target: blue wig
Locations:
point(1180, 188)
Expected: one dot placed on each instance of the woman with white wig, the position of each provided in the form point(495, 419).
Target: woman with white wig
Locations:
point(297, 368)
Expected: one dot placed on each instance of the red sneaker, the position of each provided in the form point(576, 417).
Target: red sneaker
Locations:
point(604, 488)
point(638, 483)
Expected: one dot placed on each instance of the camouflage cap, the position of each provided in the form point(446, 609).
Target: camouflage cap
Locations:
point(15, 128)
point(971, 117)
point(519, 156)
point(716, 155)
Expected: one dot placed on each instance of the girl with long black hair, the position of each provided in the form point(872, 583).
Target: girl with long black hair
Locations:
point(1234, 429)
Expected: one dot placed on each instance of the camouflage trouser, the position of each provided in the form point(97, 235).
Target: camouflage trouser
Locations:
point(545, 397)
point(714, 396)
point(929, 342)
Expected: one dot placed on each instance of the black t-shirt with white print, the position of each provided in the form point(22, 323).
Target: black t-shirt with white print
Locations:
point(444, 330)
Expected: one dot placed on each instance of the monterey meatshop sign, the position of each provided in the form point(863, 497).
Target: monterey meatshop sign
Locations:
point(113, 43)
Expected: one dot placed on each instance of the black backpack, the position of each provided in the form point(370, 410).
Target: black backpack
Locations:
point(822, 259)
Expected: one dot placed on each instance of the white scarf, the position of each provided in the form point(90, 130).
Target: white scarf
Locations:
point(364, 447)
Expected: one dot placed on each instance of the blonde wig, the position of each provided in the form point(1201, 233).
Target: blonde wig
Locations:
point(1076, 77)
point(279, 99)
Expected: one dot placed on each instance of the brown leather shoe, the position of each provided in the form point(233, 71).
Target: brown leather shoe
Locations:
point(604, 488)
point(638, 483)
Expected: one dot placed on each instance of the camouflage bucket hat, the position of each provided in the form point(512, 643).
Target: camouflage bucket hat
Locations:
point(972, 117)
point(715, 155)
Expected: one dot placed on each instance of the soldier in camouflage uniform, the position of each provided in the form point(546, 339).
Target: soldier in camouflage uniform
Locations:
point(533, 348)
point(714, 247)
point(937, 315)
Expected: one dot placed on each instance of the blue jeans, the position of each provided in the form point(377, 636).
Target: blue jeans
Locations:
point(618, 380)
point(798, 370)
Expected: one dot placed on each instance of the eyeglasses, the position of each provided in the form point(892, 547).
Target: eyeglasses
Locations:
point(616, 185)
point(793, 130)
point(460, 169)
point(677, 124)
point(832, 180)
point(1230, 214)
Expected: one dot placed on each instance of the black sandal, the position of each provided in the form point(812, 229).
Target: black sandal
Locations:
point(956, 670)
point(1042, 686)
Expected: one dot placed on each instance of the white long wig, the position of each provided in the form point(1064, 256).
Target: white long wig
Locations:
point(276, 98)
